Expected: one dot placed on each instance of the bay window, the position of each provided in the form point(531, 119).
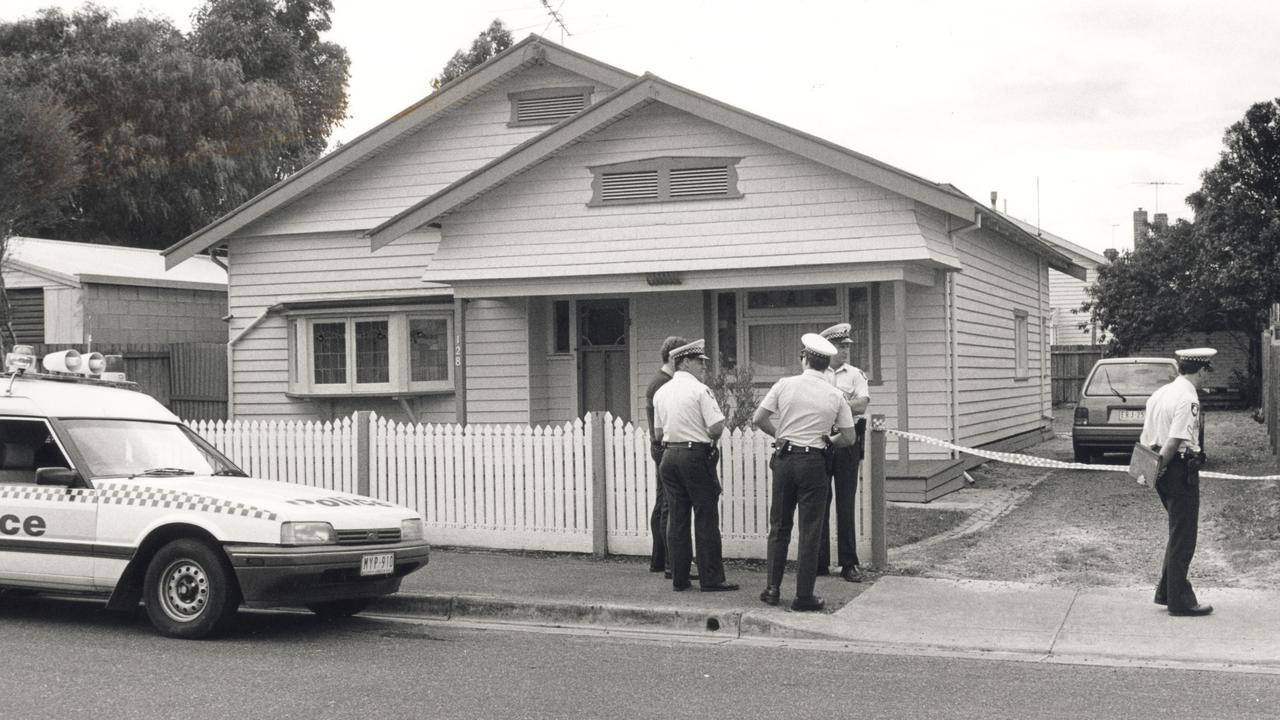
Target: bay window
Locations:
point(371, 353)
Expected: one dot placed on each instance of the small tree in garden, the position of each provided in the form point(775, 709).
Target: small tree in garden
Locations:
point(734, 391)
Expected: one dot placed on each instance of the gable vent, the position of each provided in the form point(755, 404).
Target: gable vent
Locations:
point(699, 181)
point(639, 185)
point(548, 109)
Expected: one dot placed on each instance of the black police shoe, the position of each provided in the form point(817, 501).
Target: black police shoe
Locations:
point(850, 573)
point(808, 603)
point(1193, 611)
point(721, 587)
point(681, 587)
point(771, 595)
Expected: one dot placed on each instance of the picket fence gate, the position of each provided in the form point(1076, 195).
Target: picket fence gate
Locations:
point(582, 486)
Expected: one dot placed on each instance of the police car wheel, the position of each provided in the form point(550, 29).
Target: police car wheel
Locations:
point(335, 609)
point(189, 591)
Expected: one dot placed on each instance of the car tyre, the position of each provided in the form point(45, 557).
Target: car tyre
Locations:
point(337, 609)
point(189, 591)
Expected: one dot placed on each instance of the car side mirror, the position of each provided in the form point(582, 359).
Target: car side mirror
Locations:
point(65, 477)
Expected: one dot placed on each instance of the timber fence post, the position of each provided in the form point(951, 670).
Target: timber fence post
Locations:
point(361, 420)
point(879, 444)
point(599, 502)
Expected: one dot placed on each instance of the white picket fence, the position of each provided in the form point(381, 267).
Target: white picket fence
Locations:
point(507, 486)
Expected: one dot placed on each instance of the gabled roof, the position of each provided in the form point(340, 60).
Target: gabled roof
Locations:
point(530, 51)
point(73, 263)
point(643, 91)
point(1017, 232)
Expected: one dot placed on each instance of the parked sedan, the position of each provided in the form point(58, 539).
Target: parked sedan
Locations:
point(1113, 404)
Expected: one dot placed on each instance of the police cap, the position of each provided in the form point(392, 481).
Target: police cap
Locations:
point(695, 349)
point(1201, 356)
point(815, 344)
point(838, 333)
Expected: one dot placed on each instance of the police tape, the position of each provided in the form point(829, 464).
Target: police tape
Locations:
point(1033, 461)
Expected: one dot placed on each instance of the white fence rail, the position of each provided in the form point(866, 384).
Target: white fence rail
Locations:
point(506, 486)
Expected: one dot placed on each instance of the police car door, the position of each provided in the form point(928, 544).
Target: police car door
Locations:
point(46, 531)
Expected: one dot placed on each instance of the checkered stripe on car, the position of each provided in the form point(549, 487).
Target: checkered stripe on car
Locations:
point(46, 493)
point(131, 496)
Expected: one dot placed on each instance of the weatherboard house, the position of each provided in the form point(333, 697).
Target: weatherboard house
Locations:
point(514, 248)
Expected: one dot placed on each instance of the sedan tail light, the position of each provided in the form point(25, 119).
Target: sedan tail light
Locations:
point(1082, 415)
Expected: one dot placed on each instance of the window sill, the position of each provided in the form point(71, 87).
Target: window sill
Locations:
point(302, 395)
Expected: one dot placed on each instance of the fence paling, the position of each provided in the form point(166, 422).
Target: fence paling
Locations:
point(505, 486)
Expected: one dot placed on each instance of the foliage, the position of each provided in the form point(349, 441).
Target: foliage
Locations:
point(1219, 273)
point(734, 391)
point(176, 131)
point(39, 165)
point(279, 42)
point(487, 44)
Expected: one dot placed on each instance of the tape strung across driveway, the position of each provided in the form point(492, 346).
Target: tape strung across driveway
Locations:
point(1032, 461)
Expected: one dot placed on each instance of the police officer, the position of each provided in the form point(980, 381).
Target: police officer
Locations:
point(658, 518)
point(799, 412)
point(852, 384)
point(1172, 428)
point(688, 422)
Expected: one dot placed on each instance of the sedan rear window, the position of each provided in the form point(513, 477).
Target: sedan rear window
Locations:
point(1129, 379)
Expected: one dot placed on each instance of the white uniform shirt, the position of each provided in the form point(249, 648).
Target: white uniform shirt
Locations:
point(851, 381)
point(685, 409)
point(805, 407)
point(1173, 411)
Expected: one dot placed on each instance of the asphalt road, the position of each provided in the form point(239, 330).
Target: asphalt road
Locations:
point(61, 659)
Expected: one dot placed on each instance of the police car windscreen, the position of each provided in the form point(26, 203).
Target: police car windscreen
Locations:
point(1130, 379)
point(123, 448)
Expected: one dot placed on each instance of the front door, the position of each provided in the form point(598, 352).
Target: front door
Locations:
point(604, 379)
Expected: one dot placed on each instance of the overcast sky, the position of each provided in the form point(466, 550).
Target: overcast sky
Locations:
point(1064, 108)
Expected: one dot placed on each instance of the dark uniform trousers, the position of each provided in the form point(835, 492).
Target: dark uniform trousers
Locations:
point(658, 518)
point(690, 484)
point(844, 476)
point(799, 481)
point(1179, 491)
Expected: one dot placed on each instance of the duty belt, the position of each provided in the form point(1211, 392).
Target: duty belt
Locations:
point(687, 444)
point(786, 446)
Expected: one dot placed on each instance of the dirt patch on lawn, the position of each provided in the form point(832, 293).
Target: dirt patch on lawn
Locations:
point(1099, 528)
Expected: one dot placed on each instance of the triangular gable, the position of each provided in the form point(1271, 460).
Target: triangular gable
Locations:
point(648, 89)
point(532, 50)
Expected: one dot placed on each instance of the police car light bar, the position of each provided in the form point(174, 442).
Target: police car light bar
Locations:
point(113, 368)
point(21, 359)
point(63, 361)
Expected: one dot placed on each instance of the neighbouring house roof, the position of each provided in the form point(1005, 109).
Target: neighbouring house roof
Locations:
point(450, 265)
point(74, 263)
point(1079, 255)
point(530, 51)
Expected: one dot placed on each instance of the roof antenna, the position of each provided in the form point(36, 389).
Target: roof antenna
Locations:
point(1157, 184)
point(556, 18)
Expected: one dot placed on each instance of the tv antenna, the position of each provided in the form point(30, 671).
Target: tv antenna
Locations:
point(556, 18)
point(1157, 184)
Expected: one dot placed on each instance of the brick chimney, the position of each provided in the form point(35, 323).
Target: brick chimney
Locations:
point(1160, 222)
point(1141, 229)
point(994, 195)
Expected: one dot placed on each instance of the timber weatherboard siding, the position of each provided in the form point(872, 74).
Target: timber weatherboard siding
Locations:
point(536, 222)
point(998, 279)
point(419, 164)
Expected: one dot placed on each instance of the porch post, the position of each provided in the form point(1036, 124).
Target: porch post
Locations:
point(900, 363)
point(460, 360)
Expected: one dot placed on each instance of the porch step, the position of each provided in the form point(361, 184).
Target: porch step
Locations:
point(922, 480)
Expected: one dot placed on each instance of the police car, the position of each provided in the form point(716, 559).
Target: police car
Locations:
point(104, 492)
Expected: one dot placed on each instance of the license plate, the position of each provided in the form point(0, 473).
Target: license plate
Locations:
point(1132, 417)
point(380, 564)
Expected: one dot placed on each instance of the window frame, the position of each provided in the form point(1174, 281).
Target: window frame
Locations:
point(399, 352)
point(1021, 345)
point(745, 319)
point(663, 167)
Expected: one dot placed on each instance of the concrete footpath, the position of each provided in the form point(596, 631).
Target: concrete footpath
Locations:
point(908, 615)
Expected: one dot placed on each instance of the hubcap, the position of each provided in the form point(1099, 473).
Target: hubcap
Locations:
point(184, 592)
